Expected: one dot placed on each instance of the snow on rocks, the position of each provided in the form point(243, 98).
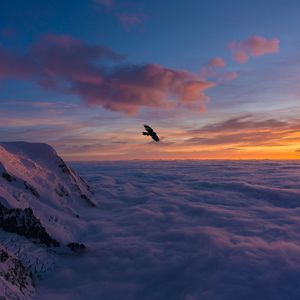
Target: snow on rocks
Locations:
point(15, 281)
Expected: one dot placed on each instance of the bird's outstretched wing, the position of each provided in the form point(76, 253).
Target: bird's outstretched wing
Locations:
point(155, 137)
point(149, 129)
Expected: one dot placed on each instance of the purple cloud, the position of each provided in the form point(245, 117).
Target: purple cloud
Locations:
point(246, 131)
point(68, 65)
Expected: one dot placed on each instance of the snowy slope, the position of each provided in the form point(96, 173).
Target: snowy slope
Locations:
point(33, 175)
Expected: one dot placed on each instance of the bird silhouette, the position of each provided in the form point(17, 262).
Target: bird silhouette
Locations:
point(150, 132)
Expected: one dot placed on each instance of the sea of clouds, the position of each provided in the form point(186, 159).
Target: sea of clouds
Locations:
point(186, 230)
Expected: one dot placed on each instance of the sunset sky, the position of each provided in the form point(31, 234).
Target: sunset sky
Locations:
point(216, 79)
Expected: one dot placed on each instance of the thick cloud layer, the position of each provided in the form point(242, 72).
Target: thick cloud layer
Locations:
point(187, 231)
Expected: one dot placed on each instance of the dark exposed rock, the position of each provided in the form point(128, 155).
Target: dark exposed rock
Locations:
point(64, 167)
point(8, 177)
point(17, 275)
point(33, 190)
point(76, 247)
point(61, 191)
point(24, 222)
point(3, 255)
point(88, 200)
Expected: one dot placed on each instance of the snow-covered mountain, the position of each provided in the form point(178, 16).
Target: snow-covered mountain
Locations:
point(41, 200)
point(33, 175)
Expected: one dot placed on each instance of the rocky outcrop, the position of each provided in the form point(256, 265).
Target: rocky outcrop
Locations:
point(24, 222)
point(77, 248)
point(15, 281)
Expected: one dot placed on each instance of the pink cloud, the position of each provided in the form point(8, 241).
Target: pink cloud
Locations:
point(259, 46)
point(217, 62)
point(253, 46)
point(129, 88)
point(92, 72)
point(210, 71)
point(241, 56)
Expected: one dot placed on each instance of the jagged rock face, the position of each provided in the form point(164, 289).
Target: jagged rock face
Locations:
point(23, 222)
point(15, 281)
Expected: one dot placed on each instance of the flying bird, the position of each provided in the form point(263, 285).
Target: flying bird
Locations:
point(150, 132)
